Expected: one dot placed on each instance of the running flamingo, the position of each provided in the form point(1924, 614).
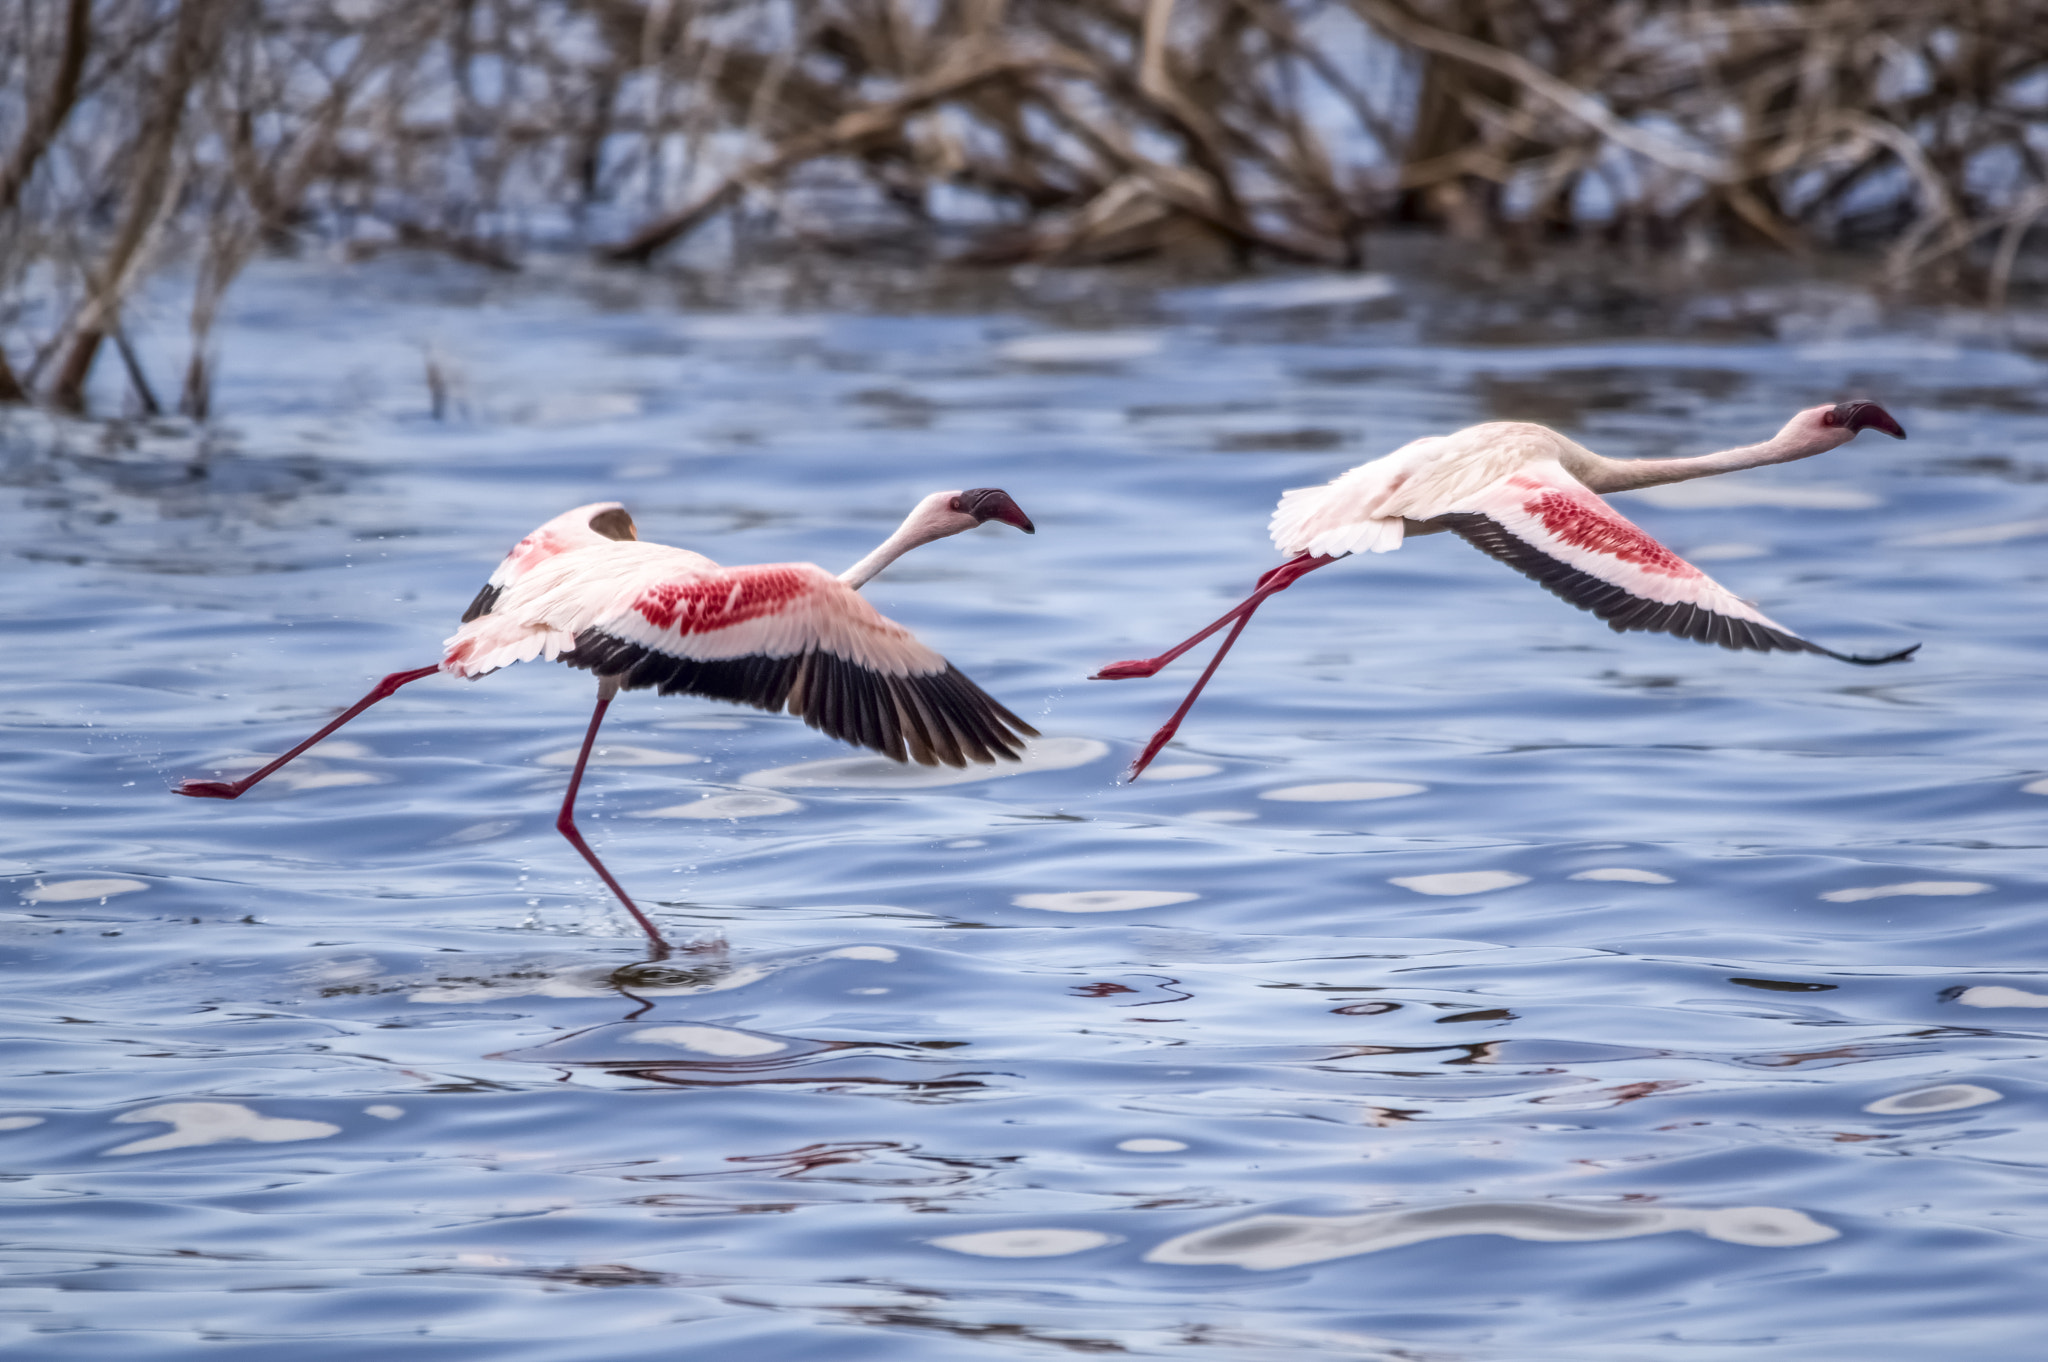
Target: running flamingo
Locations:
point(583, 589)
point(1527, 496)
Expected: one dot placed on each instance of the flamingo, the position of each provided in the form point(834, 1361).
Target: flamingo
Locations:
point(586, 590)
point(1530, 497)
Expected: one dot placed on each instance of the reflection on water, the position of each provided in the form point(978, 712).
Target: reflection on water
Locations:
point(710, 1040)
point(1274, 1241)
point(1081, 347)
point(1927, 1101)
point(1458, 882)
point(1024, 1243)
point(1459, 926)
point(1625, 874)
point(1342, 791)
point(614, 754)
point(1911, 889)
point(728, 806)
point(1998, 995)
point(71, 891)
point(1104, 900)
point(1724, 494)
point(195, 1123)
point(879, 773)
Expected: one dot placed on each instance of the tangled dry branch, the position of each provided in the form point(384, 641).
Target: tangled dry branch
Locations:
point(987, 131)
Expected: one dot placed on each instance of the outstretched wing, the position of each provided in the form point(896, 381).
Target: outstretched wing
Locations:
point(791, 636)
point(1548, 526)
point(601, 522)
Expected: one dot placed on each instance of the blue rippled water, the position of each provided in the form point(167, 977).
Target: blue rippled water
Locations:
point(1467, 983)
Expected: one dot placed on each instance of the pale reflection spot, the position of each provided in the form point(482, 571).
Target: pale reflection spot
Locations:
point(1264, 1242)
point(481, 832)
point(711, 725)
point(1081, 347)
point(1024, 1243)
point(2039, 787)
point(1722, 553)
point(1103, 900)
point(752, 326)
point(709, 1040)
point(1315, 290)
point(19, 1122)
point(964, 843)
point(1622, 872)
point(340, 747)
point(1222, 816)
point(384, 1111)
point(1720, 494)
point(1184, 771)
point(1998, 995)
point(619, 755)
point(1977, 534)
point(879, 773)
point(1913, 889)
point(195, 1123)
point(728, 806)
point(1946, 1097)
point(881, 953)
point(1150, 1145)
point(71, 891)
point(297, 778)
point(868, 992)
point(1344, 791)
point(1461, 882)
point(345, 971)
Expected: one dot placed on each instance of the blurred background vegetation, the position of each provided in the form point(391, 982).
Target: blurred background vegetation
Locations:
point(1216, 135)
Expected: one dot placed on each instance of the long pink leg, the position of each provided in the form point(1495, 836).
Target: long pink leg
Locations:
point(1276, 580)
point(1272, 582)
point(1172, 725)
point(566, 823)
point(234, 789)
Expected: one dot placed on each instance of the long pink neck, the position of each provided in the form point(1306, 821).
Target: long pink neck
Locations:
point(1625, 475)
point(917, 528)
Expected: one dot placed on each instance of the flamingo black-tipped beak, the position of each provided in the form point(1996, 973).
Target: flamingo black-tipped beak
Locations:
point(993, 503)
point(1856, 416)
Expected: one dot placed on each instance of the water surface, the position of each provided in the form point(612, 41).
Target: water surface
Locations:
point(1468, 983)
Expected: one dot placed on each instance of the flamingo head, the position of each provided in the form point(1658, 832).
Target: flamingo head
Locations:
point(1854, 416)
point(983, 504)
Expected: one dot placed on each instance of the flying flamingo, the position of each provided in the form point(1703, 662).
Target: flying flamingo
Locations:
point(1527, 496)
point(583, 589)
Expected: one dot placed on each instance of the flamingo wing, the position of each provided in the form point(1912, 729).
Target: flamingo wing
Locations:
point(1358, 511)
point(790, 635)
point(601, 522)
point(1550, 527)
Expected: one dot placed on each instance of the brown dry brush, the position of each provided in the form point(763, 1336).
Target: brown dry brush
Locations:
point(133, 132)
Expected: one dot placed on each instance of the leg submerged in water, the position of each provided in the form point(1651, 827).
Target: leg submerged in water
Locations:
point(607, 688)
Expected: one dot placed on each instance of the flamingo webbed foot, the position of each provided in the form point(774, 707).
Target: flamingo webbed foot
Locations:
point(208, 789)
point(1126, 671)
